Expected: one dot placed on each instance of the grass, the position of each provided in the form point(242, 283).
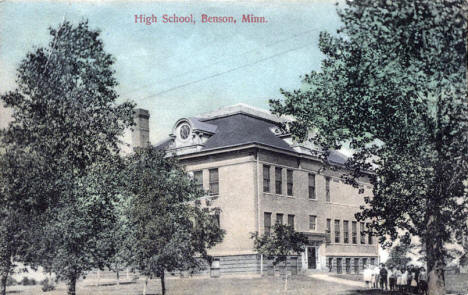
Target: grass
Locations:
point(208, 286)
point(230, 285)
point(457, 283)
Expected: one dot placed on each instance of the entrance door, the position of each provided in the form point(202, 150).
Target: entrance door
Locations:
point(311, 257)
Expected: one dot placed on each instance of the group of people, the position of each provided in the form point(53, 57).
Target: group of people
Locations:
point(409, 279)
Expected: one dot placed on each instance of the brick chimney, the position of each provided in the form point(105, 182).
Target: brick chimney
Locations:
point(140, 133)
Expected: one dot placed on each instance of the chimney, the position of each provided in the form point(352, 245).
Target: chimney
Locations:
point(140, 133)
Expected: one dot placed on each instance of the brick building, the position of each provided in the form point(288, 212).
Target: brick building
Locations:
point(257, 176)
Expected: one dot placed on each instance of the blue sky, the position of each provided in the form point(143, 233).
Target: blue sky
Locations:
point(181, 70)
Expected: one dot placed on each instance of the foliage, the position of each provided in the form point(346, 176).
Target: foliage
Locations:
point(47, 285)
point(169, 226)
point(398, 255)
point(65, 114)
point(281, 243)
point(11, 281)
point(28, 282)
point(392, 85)
point(19, 201)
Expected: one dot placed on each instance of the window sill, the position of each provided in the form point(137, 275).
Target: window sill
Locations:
point(279, 195)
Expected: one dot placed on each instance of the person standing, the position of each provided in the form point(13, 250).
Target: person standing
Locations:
point(409, 279)
point(375, 277)
point(392, 277)
point(404, 279)
point(367, 275)
point(422, 281)
point(383, 274)
point(398, 275)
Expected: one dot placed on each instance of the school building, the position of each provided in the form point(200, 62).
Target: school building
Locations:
point(257, 175)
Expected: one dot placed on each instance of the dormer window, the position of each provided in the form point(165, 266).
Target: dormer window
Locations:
point(184, 131)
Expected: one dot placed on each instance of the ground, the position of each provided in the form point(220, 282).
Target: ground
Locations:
point(207, 286)
point(458, 284)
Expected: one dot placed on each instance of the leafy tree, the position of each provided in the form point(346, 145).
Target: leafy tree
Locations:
point(284, 241)
point(392, 85)
point(398, 255)
point(169, 226)
point(16, 208)
point(65, 113)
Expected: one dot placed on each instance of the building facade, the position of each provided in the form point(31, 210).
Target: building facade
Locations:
point(254, 172)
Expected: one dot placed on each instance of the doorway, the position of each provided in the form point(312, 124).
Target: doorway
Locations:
point(312, 258)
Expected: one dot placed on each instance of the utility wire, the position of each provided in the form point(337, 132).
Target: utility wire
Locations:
point(219, 61)
point(226, 72)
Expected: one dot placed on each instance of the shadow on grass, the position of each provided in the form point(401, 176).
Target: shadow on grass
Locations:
point(112, 284)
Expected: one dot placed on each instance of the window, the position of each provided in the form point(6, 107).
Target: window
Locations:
point(214, 182)
point(348, 265)
point(312, 187)
point(279, 218)
point(216, 220)
point(266, 178)
point(267, 222)
point(327, 189)
point(345, 231)
point(356, 265)
point(198, 178)
point(369, 235)
point(363, 233)
point(328, 233)
point(330, 264)
point(312, 222)
point(278, 181)
point(339, 265)
point(291, 220)
point(372, 261)
point(364, 263)
point(289, 179)
point(337, 231)
point(354, 229)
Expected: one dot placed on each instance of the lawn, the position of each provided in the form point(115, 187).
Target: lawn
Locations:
point(230, 285)
point(207, 286)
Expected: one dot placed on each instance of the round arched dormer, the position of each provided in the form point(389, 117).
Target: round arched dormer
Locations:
point(184, 131)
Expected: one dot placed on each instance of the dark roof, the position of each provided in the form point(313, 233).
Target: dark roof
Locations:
point(336, 157)
point(241, 129)
point(163, 144)
point(199, 125)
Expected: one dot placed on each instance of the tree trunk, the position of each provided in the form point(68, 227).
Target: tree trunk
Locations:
point(5, 272)
point(286, 274)
point(4, 282)
point(72, 286)
point(435, 258)
point(118, 277)
point(163, 284)
point(144, 285)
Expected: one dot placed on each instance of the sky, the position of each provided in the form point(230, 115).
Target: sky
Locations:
point(177, 70)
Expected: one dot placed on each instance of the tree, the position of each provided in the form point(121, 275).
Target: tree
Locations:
point(398, 255)
point(284, 241)
point(17, 205)
point(169, 226)
point(392, 86)
point(65, 113)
